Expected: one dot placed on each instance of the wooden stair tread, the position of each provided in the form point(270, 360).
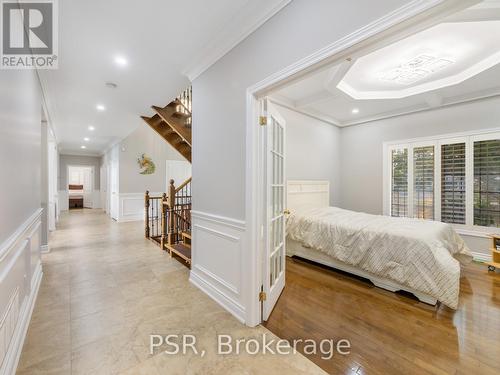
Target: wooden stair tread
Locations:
point(173, 126)
point(181, 250)
point(168, 115)
point(186, 234)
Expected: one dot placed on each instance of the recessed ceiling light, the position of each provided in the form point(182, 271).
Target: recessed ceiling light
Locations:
point(83, 146)
point(91, 128)
point(355, 111)
point(121, 61)
point(86, 139)
point(100, 107)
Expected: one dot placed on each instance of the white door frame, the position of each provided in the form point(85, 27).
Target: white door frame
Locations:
point(412, 18)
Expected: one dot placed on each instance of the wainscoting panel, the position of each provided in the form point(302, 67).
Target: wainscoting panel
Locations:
point(63, 198)
point(20, 276)
point(131, 206)
point(217, 260)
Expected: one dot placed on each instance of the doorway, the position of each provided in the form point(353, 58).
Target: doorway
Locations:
point(80, 186)
point(258, 203)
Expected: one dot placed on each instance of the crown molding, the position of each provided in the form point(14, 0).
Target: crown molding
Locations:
point(249, 19)
point(447, 102)
point(291, 105)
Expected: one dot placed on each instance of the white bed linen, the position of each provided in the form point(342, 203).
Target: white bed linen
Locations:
point(422, 255)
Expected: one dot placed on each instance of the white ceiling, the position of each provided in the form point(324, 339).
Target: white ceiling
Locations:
point(163, 41)
point(470, 38)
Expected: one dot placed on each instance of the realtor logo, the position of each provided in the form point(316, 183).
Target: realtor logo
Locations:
point(29, 34)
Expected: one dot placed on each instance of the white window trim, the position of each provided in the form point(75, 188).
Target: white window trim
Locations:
point(464, 137)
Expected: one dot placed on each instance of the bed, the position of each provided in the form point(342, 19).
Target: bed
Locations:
point(75, 196)
point(417, 256)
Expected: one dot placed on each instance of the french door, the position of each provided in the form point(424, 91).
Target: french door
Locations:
point(275, 203)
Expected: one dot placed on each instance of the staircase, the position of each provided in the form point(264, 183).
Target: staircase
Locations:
point(173, 122)
point(168, 218)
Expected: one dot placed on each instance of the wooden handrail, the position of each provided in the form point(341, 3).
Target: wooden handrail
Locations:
point(183, 184)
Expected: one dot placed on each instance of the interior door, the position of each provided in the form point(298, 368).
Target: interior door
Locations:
point(275, 203)
point(88, 187)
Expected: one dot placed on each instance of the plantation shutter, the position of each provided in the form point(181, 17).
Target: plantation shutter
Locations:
point(453, 183)
point(399, 182)
point(423, 182)
point(487, 183)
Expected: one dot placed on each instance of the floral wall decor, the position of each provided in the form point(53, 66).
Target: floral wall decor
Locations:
point(146, 164)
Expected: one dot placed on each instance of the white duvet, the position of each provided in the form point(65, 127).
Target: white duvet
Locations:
point(422, 255)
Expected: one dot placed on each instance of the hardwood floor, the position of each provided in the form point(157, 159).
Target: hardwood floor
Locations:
point(391, 333)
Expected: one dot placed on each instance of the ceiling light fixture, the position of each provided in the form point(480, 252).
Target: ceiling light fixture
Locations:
point(111, 85)
point(121, 61)
point(91, 128)
point(355, 111)
point(416, 69)
point(86, 139)
point(83, 146)
point(100, 107)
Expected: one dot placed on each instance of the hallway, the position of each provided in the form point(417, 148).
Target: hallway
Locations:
point(105, 289)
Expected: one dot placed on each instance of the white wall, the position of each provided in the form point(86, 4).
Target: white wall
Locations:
point(312, 150)
point(132, 185)
point(219, 132)
point(144, 141)
point(20, 213)
point(362, 146)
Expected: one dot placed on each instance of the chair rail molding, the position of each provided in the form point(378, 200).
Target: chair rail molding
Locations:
point(20, 278)
point(217, 237)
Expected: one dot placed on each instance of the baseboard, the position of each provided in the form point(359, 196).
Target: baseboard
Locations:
point(481, 257)
point(45, 249)
point(13, 355)
point(235, 309)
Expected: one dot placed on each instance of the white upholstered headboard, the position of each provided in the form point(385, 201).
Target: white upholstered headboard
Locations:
point(304, 195)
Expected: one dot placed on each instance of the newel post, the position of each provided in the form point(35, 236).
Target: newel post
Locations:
point(146, 214)
point(171, 219)
point(163, 220)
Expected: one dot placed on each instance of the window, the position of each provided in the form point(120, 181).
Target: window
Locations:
point(399, 191)
point(453, 183)
point(487, 183)
point(454, 180)
point(423, 182)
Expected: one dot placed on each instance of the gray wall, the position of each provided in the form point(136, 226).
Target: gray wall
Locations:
point(219, 94)
point(144, 140)
point(362, 146)
point(78, 160)
point(20, 186)
point(20, 148)
point(320, 162)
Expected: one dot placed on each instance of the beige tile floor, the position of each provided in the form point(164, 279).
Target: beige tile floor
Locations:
point(106, 289)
